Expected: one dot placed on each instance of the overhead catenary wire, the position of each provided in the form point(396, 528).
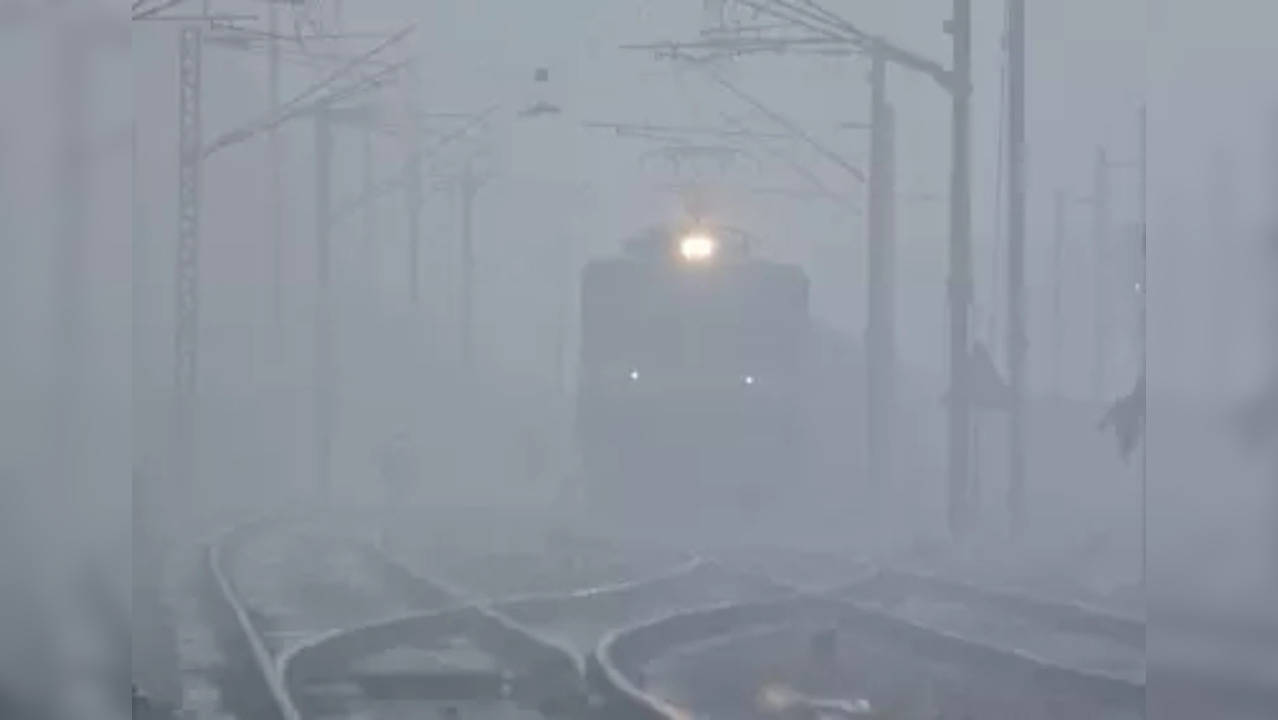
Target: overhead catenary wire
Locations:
point(790, 126)
point(295, 106)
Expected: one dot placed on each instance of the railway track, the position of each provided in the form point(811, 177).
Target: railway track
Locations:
point(279, 584)
point(332, 628)
point(1048, 632)
point(543, 642)
point(893, 638)
point(337, 630)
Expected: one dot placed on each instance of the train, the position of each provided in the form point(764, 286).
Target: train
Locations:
point(690, 375)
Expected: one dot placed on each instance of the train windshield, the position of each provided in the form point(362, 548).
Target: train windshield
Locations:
point(701, 323)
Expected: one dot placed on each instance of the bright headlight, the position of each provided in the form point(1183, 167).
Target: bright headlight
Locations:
point(697, 248)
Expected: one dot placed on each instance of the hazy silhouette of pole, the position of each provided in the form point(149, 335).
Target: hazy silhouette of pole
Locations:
point(469, 188)
point(413, 189)
point(1059, 224)
point(70, 251)
point(960, 280)
point(1143, 162)
point(275, 196)
point(1017, 341)
point(1100, 255)
point(324, 376)
point(879, 326)
point(187, 264)
point(370, 207)
point(413, 206)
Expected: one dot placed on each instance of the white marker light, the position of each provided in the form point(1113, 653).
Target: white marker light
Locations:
point(634, 374)
point(697, 248)
point(748, 379)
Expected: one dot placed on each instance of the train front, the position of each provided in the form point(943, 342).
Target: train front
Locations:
point(689, 387)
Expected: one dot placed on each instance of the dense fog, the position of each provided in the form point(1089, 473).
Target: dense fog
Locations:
point(89, 222)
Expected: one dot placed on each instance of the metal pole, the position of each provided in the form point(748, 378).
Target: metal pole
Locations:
point(324, 376)
point(413, 187)
point(1058, 247)
point(413, 204)
point(275, 161)
point(154, 644)
point(1100, 246)
point(370, 205)
point(469, 188)
point(187, 264)
point(960, 281)
point(878, 322)
point(1144, 342)
point(1016, 332)
point(69, 284)
point(888, 261)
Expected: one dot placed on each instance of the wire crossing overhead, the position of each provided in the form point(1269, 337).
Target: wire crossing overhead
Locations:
point(300, 106)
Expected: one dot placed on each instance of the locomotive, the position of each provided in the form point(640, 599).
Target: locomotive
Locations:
point(690, 372)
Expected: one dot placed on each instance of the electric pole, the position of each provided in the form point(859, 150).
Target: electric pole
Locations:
point(469, 188)
point(413, 201)
point(1142, 290)
point(880, 335)
point(370, 208)
point(469, 184)
point(960, 281)
point(413, 198)
point(275, 197)
point(186, 271)
point(1059, 224)
point(1017, 342)
point(1100, 293)
point(70, 272)
point(324, 377)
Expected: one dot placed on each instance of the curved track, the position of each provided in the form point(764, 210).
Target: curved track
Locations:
point(538, 644)
point(1050, 633)
point(969, 649)
point(335, 629)
point(281, 583)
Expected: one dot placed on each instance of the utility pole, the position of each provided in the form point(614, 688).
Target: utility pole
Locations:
point(370, 208)
point(1100, 294)
point(70, 272)
point(1058, 247)
point(1143, 161)
point(413, 205)
point(1017, 342)
point(960, 281)
point(275, 197)
point(324, 377)
point(469, 188)
point(880, 335)
point(187, 269)
point(413, 198)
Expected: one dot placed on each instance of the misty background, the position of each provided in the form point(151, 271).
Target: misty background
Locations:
point(557, 192)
